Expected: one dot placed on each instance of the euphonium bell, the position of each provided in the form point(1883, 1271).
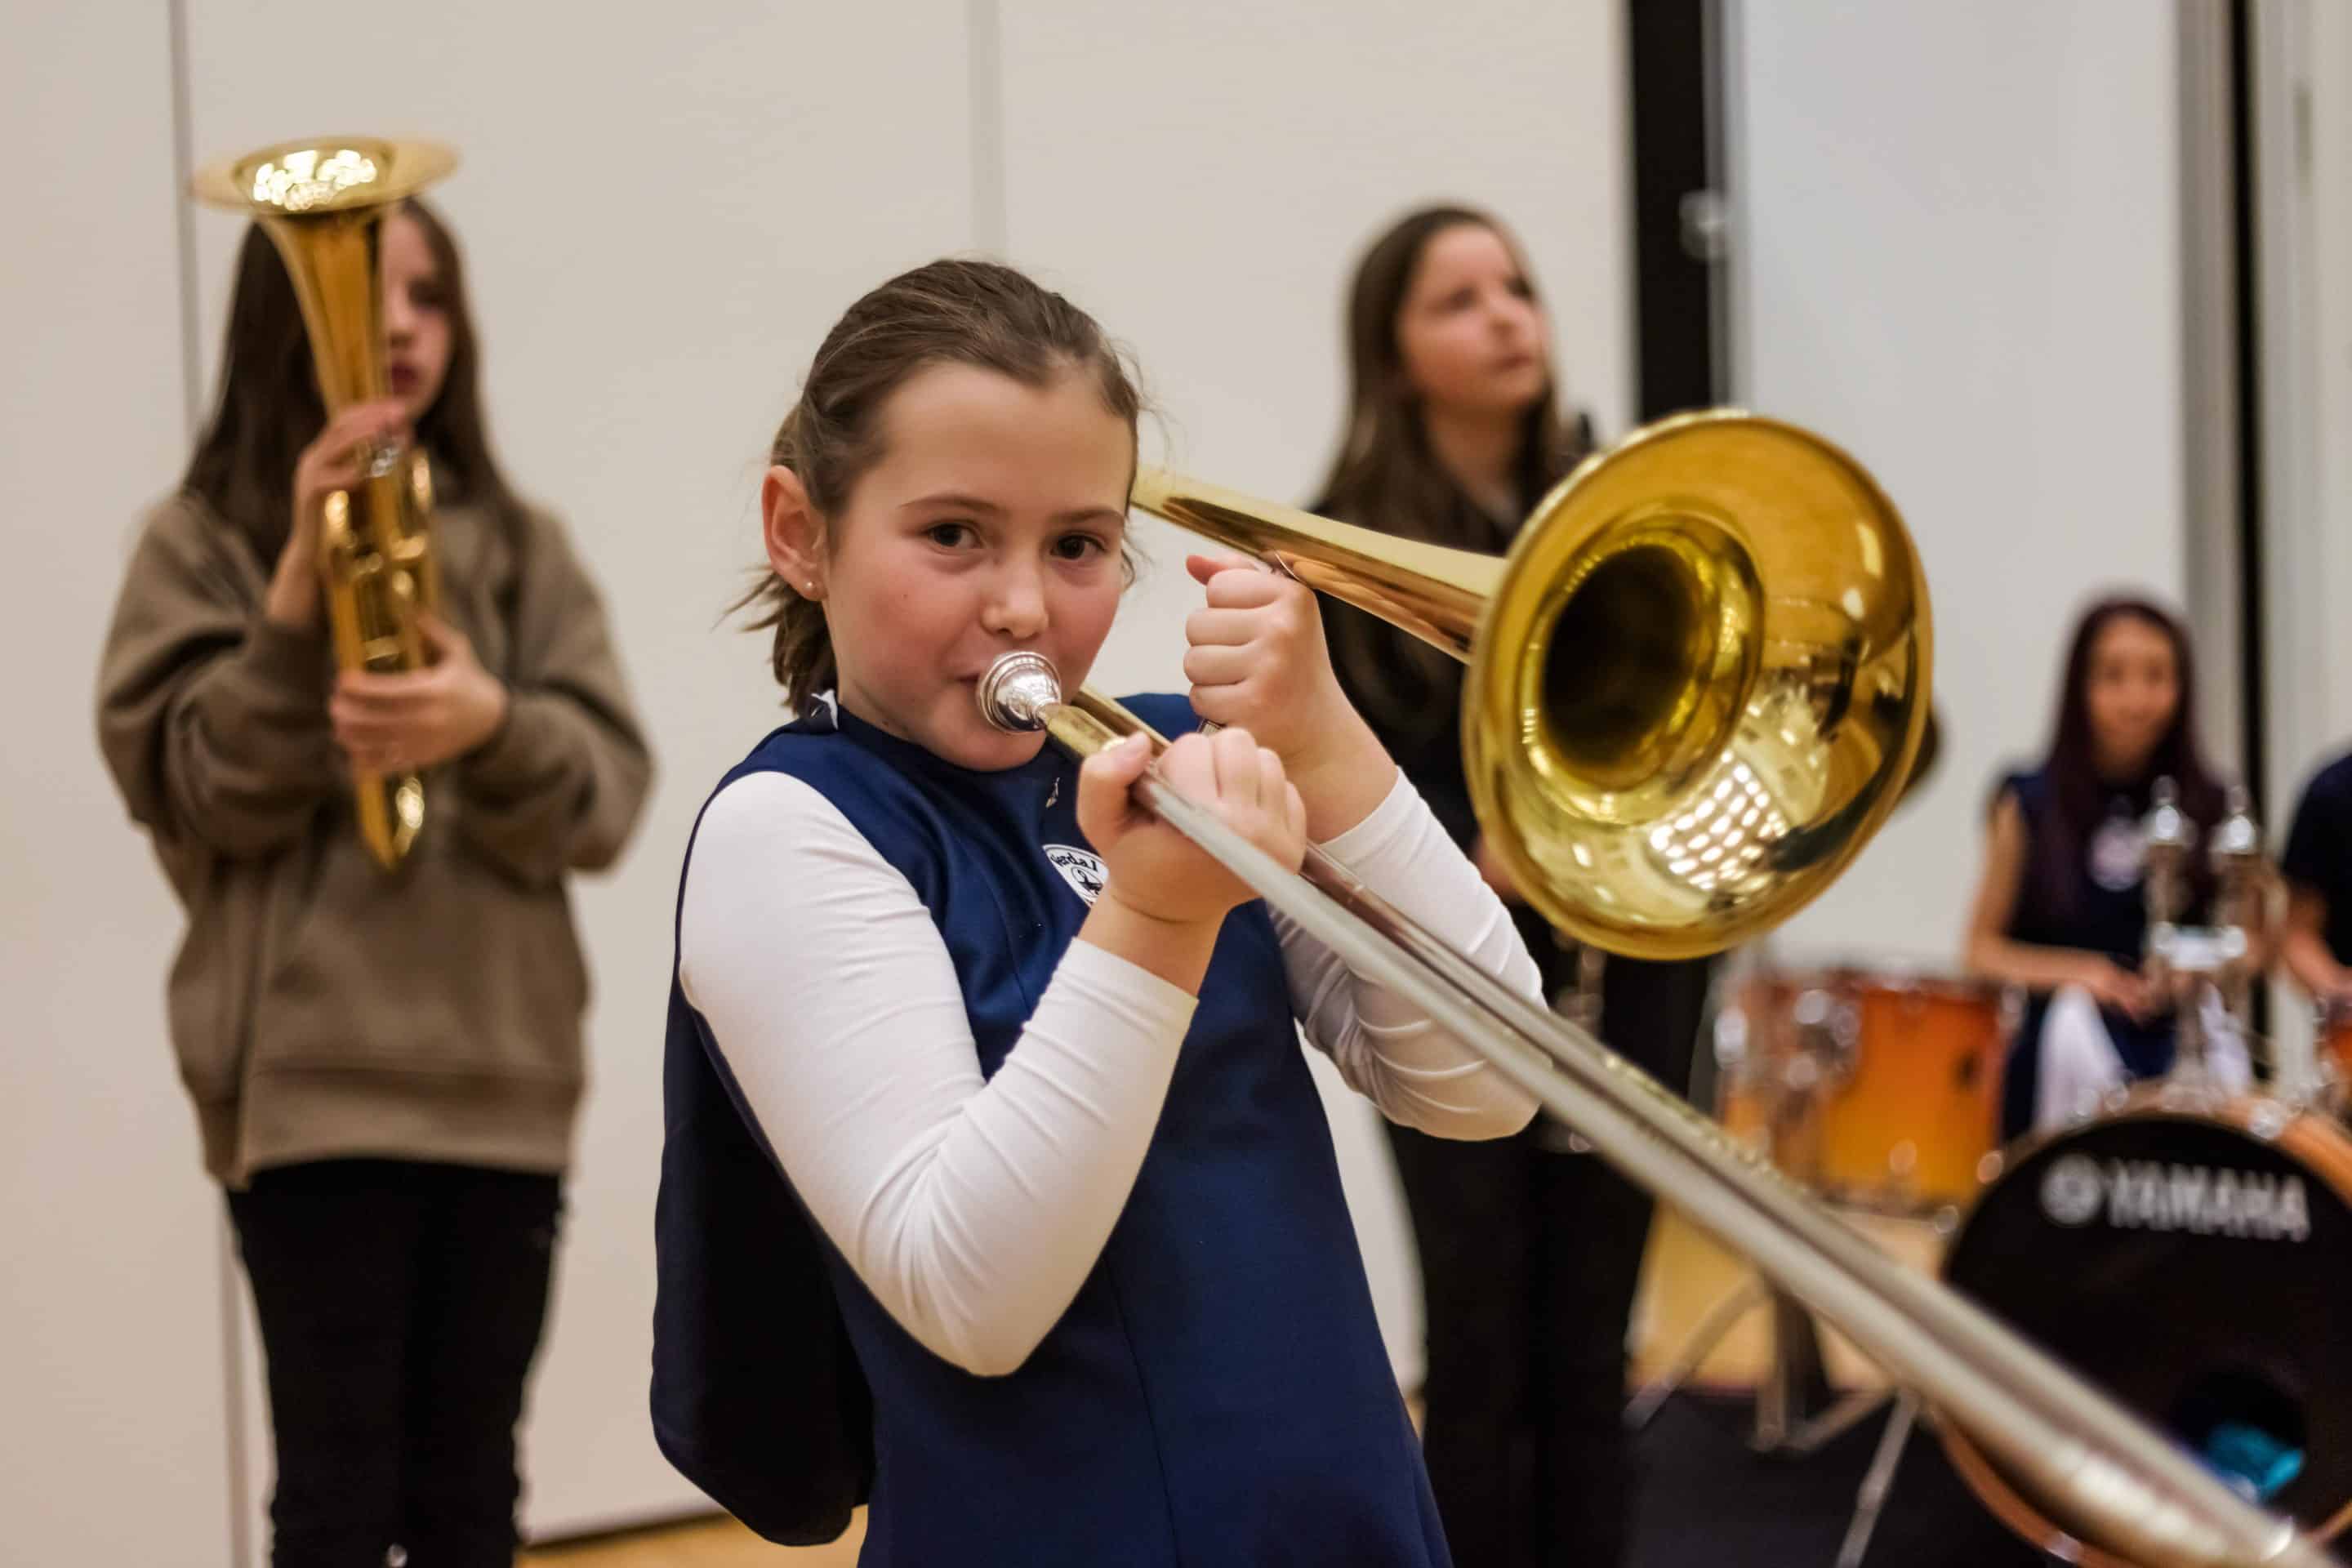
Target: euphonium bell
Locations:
point(323, 201)
point(1697, 681)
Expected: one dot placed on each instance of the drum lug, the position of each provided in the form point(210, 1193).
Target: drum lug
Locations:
point(1829, 1028)
point(1731, 1040)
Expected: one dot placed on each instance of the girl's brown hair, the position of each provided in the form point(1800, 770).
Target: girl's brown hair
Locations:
point(1387, 475)
point(949, 312)
point(268, 407)
point(2081, 795)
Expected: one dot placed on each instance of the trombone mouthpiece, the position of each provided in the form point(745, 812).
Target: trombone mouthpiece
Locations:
point(1017, 689)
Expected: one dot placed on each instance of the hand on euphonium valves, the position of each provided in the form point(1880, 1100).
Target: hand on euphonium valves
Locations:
point(391, 723)
point(331, 462)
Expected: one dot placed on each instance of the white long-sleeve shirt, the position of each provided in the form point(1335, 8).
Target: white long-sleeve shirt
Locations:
point(974, 1208)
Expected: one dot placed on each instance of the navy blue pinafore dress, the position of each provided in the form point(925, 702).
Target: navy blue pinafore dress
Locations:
point(1218, 1393)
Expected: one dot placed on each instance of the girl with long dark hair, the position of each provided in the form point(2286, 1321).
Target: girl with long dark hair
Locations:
point(1530, 1251)
point(386, 1070)
point(2059, 907)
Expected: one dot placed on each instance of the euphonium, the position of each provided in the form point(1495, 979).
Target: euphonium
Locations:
point(323, 201)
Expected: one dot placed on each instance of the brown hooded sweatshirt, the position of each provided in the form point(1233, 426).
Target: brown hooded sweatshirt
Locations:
point(320, 1007)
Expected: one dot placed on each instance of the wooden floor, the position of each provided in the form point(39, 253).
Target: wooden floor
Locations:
point(715, 1543)
point(1684, 1277)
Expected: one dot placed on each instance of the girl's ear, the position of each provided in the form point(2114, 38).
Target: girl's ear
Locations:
point(793, 532)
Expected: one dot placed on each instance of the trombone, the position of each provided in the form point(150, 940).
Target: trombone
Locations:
point(1697, 684)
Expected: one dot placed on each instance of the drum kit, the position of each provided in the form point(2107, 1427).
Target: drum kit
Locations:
point(2185, 1246)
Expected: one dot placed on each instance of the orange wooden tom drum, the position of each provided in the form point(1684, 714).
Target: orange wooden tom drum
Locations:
point(1878, 1090)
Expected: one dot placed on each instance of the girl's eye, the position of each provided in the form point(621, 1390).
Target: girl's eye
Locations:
point(1078, 547)
point(428, 296)
point(950, 535)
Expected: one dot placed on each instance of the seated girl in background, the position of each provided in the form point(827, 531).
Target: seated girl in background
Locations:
point(1024, 1056)
point(2061, 907)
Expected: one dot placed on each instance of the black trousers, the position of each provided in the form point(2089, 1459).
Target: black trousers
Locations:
point(1530, 1259)
point(401, 1305)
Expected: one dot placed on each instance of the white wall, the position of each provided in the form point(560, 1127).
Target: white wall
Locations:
point(114, 1424)
point(2304, 130)
point(662, 211)
point(1961, 260)
point(2303, 93)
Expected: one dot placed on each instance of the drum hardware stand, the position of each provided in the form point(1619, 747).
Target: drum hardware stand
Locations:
point(1871, 1501)
point(1579, 1006)
point(2214, 955)
point(2296, 1079)
point(1792, 1379)
point(1794, 1374)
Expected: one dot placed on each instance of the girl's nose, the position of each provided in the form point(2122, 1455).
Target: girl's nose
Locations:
point(1017, 607)
point(399, 320)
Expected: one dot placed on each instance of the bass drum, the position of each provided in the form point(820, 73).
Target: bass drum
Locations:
point(2192, 1255)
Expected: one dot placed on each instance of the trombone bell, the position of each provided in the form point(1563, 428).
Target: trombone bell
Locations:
point(1697, 682)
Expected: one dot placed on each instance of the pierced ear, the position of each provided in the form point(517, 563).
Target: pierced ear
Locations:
point(793, 532)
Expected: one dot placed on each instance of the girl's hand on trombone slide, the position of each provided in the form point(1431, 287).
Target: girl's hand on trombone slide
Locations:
point(1165, 898)
point(1155, 870)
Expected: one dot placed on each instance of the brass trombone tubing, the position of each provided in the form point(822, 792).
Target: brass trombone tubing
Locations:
point(2121, 1483)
